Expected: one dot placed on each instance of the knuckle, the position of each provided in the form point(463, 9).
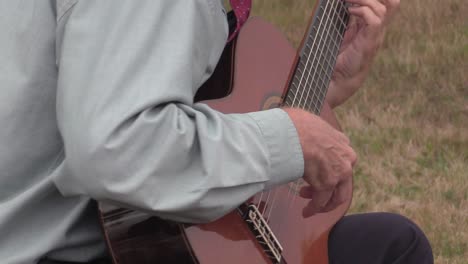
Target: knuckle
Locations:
point(382, 10)
point(317, 186)
point(330, 183)
point(367, 9)
point(376, 22)
point(334, 203)
point(331, 206)
point(339, 198)
point(351, 153)
point(354, 157)
point(348, 172)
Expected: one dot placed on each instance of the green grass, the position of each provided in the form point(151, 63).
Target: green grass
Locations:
point(409, 123)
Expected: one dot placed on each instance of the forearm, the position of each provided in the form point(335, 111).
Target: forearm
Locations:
point(178, 162)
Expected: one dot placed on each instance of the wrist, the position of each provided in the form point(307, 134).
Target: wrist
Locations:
point(341, 89)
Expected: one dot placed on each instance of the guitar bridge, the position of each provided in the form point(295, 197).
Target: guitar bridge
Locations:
point(263, 233)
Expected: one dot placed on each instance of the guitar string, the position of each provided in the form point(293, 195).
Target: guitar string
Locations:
point(260, 200)
point(318, 29)
point(316, 60)
point(310, 53)
point(299, 85)
point(335, 34)
point(341, 24)
point(321, 81)
point(267, 194)
point(308, 57)
point(321, 84)
point(332, 48)
point(306, 98)
point(329, 45)
point(324, 15)
point(339, 29)
point(266, 202)
point(336, 37)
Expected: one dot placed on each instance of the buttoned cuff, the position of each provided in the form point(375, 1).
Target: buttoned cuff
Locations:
point(282, 141)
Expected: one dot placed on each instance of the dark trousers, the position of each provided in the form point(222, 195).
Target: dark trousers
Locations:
point(378, 238)
point(374, 238)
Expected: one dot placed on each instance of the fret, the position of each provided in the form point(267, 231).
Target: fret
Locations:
point(334, 43)
point(312, 102)
point(319, 20)
point(315, 60)
point(317, 56)
point(320, 60)
point(342, 23)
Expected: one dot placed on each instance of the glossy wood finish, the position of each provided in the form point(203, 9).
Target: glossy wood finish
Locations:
point(263, 61)
point(136, 237)
point(262, 64)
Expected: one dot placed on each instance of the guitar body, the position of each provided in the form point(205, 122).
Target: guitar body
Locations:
point(255, 75)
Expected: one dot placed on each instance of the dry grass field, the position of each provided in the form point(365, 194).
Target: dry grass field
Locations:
point(409, 123)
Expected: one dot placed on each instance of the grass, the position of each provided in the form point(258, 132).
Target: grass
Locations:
point(409, 123)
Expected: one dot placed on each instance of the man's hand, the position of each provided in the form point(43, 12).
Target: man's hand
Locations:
point(365, 34)
point(328, 162)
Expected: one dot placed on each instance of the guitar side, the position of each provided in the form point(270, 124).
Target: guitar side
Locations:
point(259, 73)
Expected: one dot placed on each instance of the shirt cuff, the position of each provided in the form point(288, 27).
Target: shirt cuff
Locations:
point(282, 141)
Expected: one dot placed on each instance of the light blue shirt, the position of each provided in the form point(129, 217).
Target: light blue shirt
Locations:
point(96, 100)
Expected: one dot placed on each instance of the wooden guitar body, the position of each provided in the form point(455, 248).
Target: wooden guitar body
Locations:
point(256, 77)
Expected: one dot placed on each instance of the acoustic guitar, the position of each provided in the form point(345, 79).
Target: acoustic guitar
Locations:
point(259, 70)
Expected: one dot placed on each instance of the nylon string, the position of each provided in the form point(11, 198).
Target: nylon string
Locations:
point(321, 24)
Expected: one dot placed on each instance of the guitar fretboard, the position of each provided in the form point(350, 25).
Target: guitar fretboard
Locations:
point(312, 74)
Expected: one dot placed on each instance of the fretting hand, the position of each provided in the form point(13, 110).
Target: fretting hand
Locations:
point(365, 33)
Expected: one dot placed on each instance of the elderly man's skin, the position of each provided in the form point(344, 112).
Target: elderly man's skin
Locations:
point(328, 157)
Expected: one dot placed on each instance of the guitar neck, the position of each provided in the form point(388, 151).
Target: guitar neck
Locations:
point(317, 55)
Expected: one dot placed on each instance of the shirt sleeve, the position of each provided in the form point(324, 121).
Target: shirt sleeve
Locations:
point(128, 72)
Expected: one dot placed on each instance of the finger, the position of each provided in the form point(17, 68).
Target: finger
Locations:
point(306, 192)
point(342, 138)
point(309, 210)
point(350, 155)
point(320, 200)
point(316, 204)
point(373, 27)
point(345, 173)
point(377, 7)
point(351, 30)
point(344, 160)
point(367, 14)
point(391, 5)
point(342, 194)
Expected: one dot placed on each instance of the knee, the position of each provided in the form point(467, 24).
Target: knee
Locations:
point(401, 228)
point(406, 237)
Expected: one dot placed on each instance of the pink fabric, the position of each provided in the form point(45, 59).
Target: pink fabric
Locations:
point(242, 10)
